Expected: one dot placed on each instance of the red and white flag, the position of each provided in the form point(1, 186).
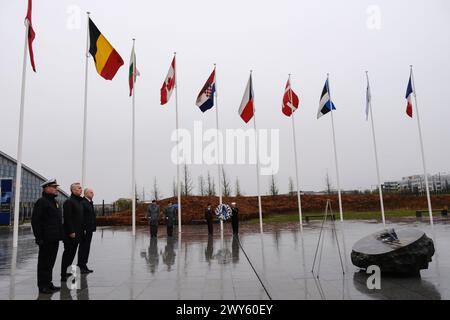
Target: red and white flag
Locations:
point(290, 100)
point(169, 84)
point(247, 110)
point(31, 35)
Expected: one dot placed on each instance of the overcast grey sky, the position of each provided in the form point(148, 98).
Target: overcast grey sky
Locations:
point(274, 38)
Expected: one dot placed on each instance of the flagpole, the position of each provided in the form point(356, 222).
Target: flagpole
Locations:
point(218, 147)
point(257, 158)
point(376, 153)
point(335, 151)
point(133, 144)
point(178, 148)
point(430, 210)
point(299, 201)
point(83, 161)
point(20, 142)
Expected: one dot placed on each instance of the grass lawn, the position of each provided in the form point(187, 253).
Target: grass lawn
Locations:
point(348, 215)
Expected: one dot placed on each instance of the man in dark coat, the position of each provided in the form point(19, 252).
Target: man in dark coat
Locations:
point(153, 218)
point(169, 212)
point(235, 218)
point(209, 219)
point(46, 221)
point(73, 228)
point(89, 226)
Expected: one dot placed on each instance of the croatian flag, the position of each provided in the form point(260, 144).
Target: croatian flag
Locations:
point(169, 84)
point(205, 99)
point(247, 110)
point(290, 100)
point(409, 92)
point(325, 104)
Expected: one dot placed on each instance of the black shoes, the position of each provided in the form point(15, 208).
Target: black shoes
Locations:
point(54, 288)
point(46, 290)
point(65, 276)
point(49, 290)
point(85, 270)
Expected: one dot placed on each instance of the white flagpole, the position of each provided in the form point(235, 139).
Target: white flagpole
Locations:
point(376, 153)
point(335, 151)
point(133, 152)
point(83, 161)
point(299, 201)
point(178, 148)
point(430, 210)
point(20, 142)
point(257, 159)
point(219, 167)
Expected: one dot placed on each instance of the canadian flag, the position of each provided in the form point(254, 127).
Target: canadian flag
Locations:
point(290, 100)
point(169, 84)
point(247, 110)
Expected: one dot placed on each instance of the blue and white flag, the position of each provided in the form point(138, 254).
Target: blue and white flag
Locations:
point(325, 104)
point(205, 99)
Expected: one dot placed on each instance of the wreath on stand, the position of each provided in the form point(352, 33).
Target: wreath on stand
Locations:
point(223, 212)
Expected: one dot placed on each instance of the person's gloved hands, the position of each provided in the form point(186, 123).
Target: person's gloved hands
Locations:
point(39, 242)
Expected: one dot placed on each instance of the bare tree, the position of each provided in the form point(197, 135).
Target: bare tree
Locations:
point(188, 185)
point(226, 187)
point(201, 185)
point(156, 192)
point(328, 184)
point(211, 186)
point(273, 190)
point(174, 188)
point(291, 186)
point(238, 191)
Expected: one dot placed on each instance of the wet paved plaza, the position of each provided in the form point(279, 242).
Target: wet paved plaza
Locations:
point(193, 266)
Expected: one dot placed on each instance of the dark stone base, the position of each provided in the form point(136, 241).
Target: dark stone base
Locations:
point(408, 259)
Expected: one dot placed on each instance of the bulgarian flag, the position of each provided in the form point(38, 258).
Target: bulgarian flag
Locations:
point(133, 71)
point(107, 59)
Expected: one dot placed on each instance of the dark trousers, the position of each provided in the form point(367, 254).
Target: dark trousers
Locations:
point(235, 225)
point(46, 262)
point(170, 230)
point(70, 249)
point(153, 230)
point(210, 227)
point(85, 248)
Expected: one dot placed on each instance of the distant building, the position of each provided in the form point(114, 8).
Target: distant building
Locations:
point(416, 184)
point(31, 181)
point(391, 186)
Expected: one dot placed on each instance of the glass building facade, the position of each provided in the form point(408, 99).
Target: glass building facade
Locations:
point(31, 181)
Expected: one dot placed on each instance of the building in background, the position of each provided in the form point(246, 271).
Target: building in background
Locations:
point(437, 183)
point(31, 189)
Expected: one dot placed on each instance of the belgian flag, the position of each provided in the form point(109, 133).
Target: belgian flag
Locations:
point(107, 60)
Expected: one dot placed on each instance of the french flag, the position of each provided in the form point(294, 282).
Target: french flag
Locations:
point(247, 110)
point(409, 92)
point(205, 99)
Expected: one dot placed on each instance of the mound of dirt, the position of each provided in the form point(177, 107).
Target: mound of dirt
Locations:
point(193, 206)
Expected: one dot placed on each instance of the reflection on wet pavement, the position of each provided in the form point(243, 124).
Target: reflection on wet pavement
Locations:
point(195, 266)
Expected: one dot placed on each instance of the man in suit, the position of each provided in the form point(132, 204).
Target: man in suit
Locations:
point(46, 221)
point(235, 218)
point(90, 226)
point(73, 227)
point(209, 219)
point(153, 217)
point(169, 212)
